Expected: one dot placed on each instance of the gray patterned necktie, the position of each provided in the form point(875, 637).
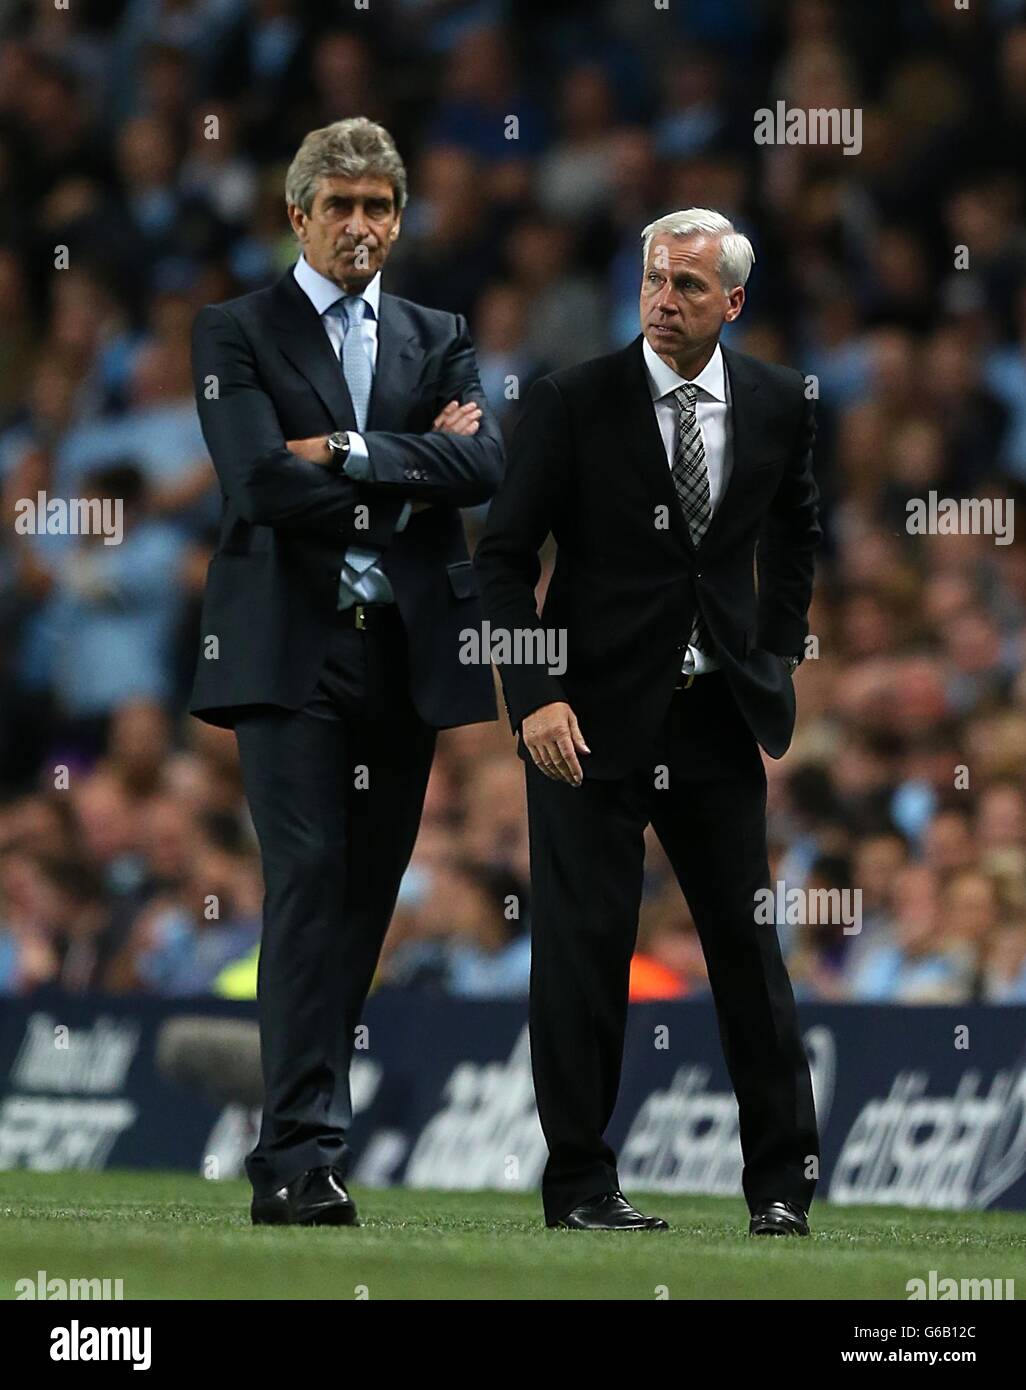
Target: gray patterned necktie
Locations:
point(691, 481)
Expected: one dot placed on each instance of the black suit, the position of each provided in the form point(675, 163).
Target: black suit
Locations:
point(587, 464)
point(335, 725)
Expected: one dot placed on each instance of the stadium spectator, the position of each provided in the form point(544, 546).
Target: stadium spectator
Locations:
point(916, 965)
point(473, 939)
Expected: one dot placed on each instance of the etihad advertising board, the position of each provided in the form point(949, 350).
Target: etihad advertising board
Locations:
point(917, 1106)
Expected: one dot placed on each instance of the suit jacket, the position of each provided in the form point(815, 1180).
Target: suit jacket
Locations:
point(587, 464)
point(265, 372)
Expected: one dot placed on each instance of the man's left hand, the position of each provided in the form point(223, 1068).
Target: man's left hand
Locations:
point(458, 419)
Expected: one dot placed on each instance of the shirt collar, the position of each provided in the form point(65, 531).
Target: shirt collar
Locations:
point(323, 293)
point(662, 380)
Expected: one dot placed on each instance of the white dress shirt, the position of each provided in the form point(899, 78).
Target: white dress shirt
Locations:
point(712, 410)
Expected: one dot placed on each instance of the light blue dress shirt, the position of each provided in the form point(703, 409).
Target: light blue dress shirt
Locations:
point(362, 580)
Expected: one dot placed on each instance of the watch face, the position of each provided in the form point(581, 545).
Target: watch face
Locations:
point(338, 441)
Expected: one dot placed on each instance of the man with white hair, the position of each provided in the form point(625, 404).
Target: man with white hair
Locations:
point(676, 479)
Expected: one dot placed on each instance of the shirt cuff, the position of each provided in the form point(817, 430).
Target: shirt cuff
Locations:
point(357, 464)
point(358, 467)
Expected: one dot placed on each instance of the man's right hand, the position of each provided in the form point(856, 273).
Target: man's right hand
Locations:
point(553, 738)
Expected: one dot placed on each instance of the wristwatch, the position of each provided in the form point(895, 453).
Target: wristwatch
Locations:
point(338, 449)
point(791, 662)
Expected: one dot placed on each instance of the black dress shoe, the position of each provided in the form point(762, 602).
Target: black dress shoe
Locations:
point(609, 1212)
point(778, 1219)
point(317, 1197)
point(271, 1211)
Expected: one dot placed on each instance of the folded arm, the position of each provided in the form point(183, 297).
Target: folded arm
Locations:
point(267, 483)
point(461, 470)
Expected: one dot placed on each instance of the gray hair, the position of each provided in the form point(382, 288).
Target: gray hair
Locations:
point(736, 255)
point(351, 148)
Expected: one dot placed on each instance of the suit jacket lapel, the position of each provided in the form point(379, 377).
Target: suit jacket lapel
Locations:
point(302, 339)
point(398, 366)
point(744, 405)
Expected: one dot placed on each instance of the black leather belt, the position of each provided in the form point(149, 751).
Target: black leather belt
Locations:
point(687, 682)
point(367, 617)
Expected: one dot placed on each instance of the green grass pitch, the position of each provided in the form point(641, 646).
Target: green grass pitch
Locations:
point(177, 1236)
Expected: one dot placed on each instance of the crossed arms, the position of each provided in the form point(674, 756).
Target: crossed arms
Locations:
point(272, 484)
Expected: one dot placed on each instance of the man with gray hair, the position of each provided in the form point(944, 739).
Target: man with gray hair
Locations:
point(676, 479)
point(347, 428)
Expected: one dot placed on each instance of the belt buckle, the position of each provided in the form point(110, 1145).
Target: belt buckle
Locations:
point(360, 618)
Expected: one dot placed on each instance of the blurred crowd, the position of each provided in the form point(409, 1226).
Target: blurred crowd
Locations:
point(149, 138)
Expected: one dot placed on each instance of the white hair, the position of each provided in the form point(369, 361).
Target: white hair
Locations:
point(736, 255)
